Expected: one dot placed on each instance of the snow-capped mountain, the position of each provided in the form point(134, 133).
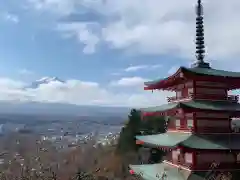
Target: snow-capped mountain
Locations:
point(44, 80)
point(38, 108)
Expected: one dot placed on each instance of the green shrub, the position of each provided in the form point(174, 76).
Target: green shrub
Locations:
point(126, 140)
point(135, 126)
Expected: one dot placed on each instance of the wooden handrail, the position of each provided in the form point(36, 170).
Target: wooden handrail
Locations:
point(232, 98)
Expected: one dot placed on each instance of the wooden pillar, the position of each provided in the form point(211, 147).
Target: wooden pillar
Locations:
point(194, 160)
point(195, 129)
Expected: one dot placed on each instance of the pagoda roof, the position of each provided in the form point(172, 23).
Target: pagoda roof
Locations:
point(196, 104)
point(212, 72)
point(203, 141)
point(166, 82)
point(152, 171)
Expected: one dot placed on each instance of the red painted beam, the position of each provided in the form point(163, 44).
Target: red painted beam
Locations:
point(131, 172)
point(138, 142)
point(148, 88)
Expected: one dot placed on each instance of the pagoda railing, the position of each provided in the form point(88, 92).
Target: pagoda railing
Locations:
point(175, 98)
point(232, 98)
point(180, 161)
point(222, 165)
point(204, 165)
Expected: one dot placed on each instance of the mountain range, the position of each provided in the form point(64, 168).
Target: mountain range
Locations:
point(7, 107)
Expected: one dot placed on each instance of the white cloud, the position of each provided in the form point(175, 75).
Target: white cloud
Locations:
point(135, 68)
point(7, 83)
point(11, 90)
point(169, 27)
point(25, 72)
point(79, 92)
point(129, 82)
point(82, 33)
point(60, 7)
point(159, 26)
point(10, 17)
point(141, 67)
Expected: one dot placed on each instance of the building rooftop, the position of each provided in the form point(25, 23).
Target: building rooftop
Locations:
point(197, 104)
point(155, 171)
point(198, 72)
point(195, 141)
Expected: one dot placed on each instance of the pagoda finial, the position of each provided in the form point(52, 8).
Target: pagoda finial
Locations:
point(200, 47)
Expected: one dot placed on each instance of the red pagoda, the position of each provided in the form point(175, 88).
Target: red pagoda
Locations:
point(200, 141)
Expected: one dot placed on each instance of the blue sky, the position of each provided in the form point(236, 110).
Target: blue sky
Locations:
point(44, 51)
point(114, 44)
point(33, 43)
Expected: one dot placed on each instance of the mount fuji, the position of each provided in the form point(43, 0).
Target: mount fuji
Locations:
point(44, 80)
point(8, 107)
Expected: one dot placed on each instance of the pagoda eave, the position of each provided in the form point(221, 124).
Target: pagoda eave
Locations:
point(166, 148)
point(171, 171)
point(232, 79)
point(159, 113)
point(165, 84)
point(169, 85)
point(190, 140)
point(193, 106)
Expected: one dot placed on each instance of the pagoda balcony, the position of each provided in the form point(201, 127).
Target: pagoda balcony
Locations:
point(178, 162)
point(231, 98)
point(221, 165)
point(203, 165)
point(182, 98)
